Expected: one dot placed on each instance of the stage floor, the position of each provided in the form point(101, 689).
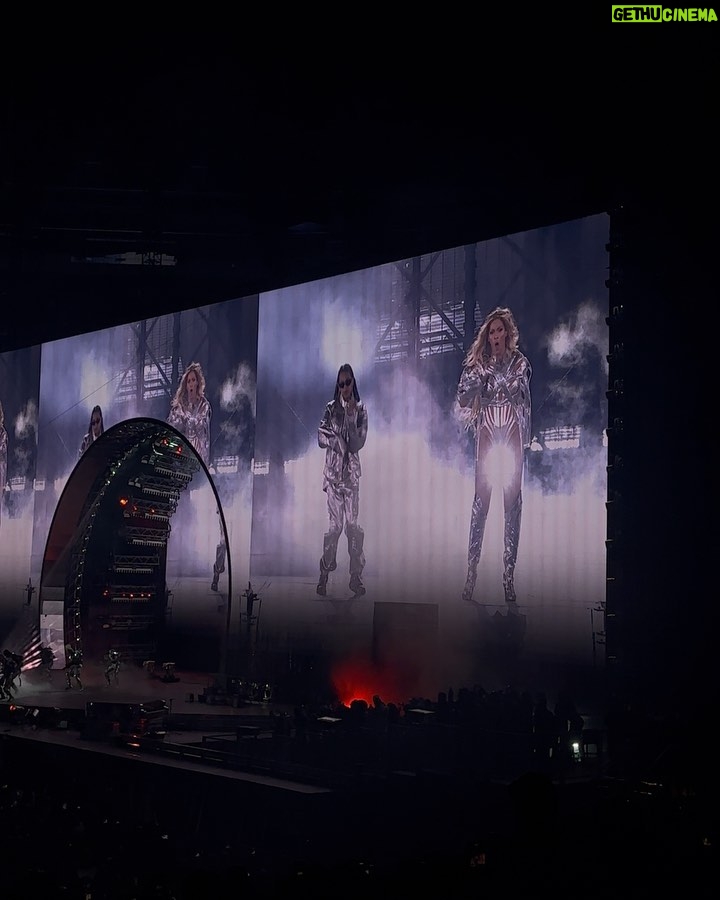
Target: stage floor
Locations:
point(189, 723)
point(194, 732)
point(134, 686)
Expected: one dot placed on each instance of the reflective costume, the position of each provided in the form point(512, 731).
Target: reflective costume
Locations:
point(87, 441)
point(112, 669)
point(342, 434)
point(89, 438)
point(494, 398)
point(194, 422)
point(73, 666)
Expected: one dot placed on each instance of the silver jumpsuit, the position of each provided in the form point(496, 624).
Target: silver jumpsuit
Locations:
point(194, 422)
point(342, 434)
point(496, 394)
point(86, 442)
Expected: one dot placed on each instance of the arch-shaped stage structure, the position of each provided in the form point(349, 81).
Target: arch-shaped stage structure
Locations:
point(104, 570)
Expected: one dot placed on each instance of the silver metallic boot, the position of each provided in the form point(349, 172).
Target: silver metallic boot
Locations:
point(356, 538)
point(328, 561)
point(510, 547)
point(478, 517)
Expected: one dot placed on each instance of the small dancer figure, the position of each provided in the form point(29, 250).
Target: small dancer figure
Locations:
point(73, 666)
point(112, 669)
point(47, 659)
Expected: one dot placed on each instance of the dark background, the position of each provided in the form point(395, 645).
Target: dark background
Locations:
point(259, 160)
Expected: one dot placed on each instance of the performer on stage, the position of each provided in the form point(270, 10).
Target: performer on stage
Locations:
point(47, 659)
point(73, 666)
point(112, 668)
point(342, 434)
point(11, 664)
point(190, 410)
point(95, 429)
point(494, 398)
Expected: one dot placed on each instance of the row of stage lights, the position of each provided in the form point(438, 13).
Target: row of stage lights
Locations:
point(160, 511)
point(167, 472)
point(125, 594)
point(75, 619)
point(166, 460)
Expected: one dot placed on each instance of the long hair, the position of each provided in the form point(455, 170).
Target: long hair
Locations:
point(346, 367)
point(98, 410)
point(479, 355)
point(479, 352)
point(180, 398)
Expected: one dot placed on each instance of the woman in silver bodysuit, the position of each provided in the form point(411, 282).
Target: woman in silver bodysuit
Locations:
point(190, 410)
point(494, 398)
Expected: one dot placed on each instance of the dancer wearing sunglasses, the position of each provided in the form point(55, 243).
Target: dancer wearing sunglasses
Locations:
point(342, 434)
point(95, 429)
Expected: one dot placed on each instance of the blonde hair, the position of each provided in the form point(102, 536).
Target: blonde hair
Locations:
point(479, 355)
point(479, 352)
point(180, 398)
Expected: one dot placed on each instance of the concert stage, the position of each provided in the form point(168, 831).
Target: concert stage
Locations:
point(236, 768)
point(185, 709)
point(193, 720)
point(241, 773)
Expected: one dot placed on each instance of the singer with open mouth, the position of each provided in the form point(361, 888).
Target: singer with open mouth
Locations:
point(494, 400)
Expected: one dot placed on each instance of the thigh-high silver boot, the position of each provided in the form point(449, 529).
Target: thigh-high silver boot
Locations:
point(510, 547)
point(478, 517)
point(219, 564)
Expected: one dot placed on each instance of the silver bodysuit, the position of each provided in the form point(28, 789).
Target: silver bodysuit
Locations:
point(194, 423)
point(494, 398)
point(502, 391)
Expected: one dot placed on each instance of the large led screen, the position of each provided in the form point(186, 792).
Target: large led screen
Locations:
point(194, 371)
point(382, 484)
point(19, 385)
point(388, 481)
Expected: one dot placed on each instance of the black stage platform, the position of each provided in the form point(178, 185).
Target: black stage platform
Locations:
point(233, 772)
point(199, 722)
point(246, 779)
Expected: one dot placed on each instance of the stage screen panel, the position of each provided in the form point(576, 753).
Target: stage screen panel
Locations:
point(369, 509)
point(19, 390)
point(436, 524)
point(115, 387)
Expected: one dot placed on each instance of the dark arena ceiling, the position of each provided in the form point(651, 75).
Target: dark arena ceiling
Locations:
point(253, 170)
